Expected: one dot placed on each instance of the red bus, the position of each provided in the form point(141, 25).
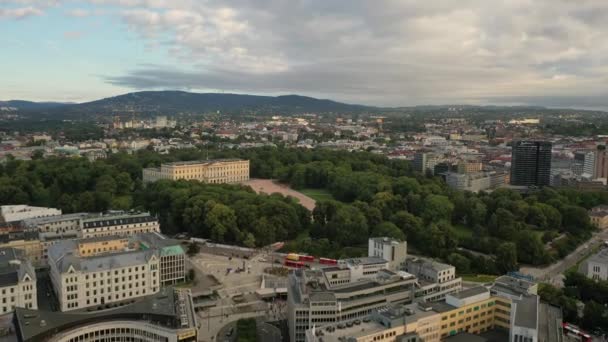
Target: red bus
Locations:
point(306, 258)
point(325, 261)
point(572, 329)
point(296, 264)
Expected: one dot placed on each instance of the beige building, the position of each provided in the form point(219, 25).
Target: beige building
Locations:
point(510, 305)
point(207, 171)
point(599, 216)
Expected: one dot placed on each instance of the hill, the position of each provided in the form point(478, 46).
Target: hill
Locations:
point(174, 102)
point(29, 105)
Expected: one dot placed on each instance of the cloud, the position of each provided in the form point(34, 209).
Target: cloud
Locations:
point(79, 13)
point(73, 34)
point(386, 52)
point(19, 12)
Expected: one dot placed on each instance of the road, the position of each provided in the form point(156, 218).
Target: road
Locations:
point(553, 273)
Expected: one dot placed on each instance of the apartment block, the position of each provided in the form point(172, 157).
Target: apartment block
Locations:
point(102, 272)
point(17, 281)
point(207, 171)
point(435, 279)
point(118, 223)
point(28, 242)
point(13, 213)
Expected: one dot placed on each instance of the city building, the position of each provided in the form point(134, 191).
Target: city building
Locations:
point(167, 316)
point(17, 281)
point(389, 249)
point(28, 242)
point(425, 162)
point(102, 272)
point(596, 266)
point(435, 279)
point(207, 171)
point(601, 162)
point(171, 255)
point(475, 182)
point(531, 163)
point(584, 163)
point(599, 216)
point(12, 213)
point(313, 300)
point(469, 166)
point(507, 308)
point(56, 227)
point(118, 223)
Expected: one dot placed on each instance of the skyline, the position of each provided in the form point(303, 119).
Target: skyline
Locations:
point(397, 53)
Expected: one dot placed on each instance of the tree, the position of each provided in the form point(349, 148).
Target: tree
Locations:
point(348, 227)
point(506, 257)
point(388, 229)
point(193, 249)
point(106, 184)
point(437, 207)
point(221, 220)
point(595, 316)
point(462, 263)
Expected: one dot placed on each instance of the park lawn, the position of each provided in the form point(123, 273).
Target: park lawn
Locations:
point(479, 278)
point(318, 194)
point(462, 232)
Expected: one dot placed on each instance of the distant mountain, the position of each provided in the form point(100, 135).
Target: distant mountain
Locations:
point(172, 102)
point(29, 105)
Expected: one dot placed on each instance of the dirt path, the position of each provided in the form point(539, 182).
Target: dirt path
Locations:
point(268, 186)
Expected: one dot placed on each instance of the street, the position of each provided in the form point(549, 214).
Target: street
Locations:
point(553, 273)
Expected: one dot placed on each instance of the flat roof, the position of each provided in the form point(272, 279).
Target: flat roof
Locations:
point(473, 291)
point(526, 311)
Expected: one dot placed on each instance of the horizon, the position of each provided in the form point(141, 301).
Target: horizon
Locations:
point(392, 54)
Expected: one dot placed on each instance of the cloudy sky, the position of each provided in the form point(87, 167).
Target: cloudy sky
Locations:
point(380, 52)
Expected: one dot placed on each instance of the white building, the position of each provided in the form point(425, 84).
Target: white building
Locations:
point(391, 250)
point(19, 212)
point(17, 281)
point(596, 267)
point(118, 223)
point(102, 272)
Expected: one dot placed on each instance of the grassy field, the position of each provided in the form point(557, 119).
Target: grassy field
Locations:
point(317, 194)
point(478, 278)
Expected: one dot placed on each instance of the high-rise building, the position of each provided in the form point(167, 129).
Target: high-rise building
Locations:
point(601, 163)
point(425, 162)
point(531, 163)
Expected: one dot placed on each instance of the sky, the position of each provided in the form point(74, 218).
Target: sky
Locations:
point(376, 52)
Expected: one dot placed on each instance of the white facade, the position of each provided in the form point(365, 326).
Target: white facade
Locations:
point(124, 224)
point(81, 282)
point(596, 267)
point(17, 282)
point(391, 250)
point(21, 212)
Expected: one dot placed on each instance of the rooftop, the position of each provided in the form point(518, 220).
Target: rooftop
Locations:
point(473, 291)
point(600, 257)
point(170, 308)
point(526, 311)
point(202, 162)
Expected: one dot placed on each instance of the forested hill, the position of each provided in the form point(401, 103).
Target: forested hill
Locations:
point(174, 102)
